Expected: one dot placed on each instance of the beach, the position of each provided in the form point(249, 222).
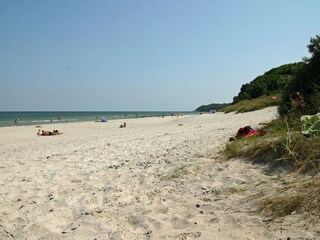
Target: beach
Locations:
point(158, 178)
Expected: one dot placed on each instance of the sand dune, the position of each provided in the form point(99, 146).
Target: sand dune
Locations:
point(159, 178)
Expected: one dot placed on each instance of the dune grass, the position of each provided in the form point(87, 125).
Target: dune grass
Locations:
point(253, 105)
point(285, 149)
point(298, 197)
point(176, 173)
point(286, 144)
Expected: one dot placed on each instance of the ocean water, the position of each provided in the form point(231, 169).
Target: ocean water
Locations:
point(40, 118)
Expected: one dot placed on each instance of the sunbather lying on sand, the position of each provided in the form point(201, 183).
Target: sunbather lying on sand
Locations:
point(48, 133)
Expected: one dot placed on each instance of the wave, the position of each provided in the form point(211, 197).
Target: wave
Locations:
point(39, 121)
point(46, 120)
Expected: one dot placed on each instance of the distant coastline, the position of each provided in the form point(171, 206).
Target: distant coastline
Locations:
point(27, 118)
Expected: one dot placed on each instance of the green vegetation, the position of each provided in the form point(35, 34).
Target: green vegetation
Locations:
point(260, 92)
point(263, 91)
point(303, 77)
point(284, 135)
point(306, 81)
point(284, 148)
point(253, 105)
point(207, 108)
point(270, 83)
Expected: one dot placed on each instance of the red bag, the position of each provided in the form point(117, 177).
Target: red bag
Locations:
point(246, 131)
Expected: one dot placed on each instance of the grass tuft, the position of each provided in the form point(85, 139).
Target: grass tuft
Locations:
point(176, 173)
point(298, 198)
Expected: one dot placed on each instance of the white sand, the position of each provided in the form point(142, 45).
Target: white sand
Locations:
point(156, 179)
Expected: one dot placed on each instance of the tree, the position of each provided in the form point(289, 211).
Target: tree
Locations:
point(306, 81)
point(314, 46)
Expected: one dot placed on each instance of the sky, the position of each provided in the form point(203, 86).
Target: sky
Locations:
point(150, 55)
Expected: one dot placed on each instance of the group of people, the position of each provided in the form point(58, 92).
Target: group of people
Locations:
point(48, 133)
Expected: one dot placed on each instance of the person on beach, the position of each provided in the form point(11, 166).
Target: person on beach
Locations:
point(124, 125)
point(297, 103)
point(16, 121)
point(297, 99)
point(48, 133)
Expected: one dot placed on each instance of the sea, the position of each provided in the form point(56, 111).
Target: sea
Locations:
point(41, 118)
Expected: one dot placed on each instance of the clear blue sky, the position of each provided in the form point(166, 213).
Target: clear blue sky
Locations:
point(144, 55)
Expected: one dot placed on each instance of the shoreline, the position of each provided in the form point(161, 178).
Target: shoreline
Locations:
point(93, 121)
point(48, 118)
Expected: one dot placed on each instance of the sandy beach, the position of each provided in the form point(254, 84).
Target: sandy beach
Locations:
point(158, 178)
